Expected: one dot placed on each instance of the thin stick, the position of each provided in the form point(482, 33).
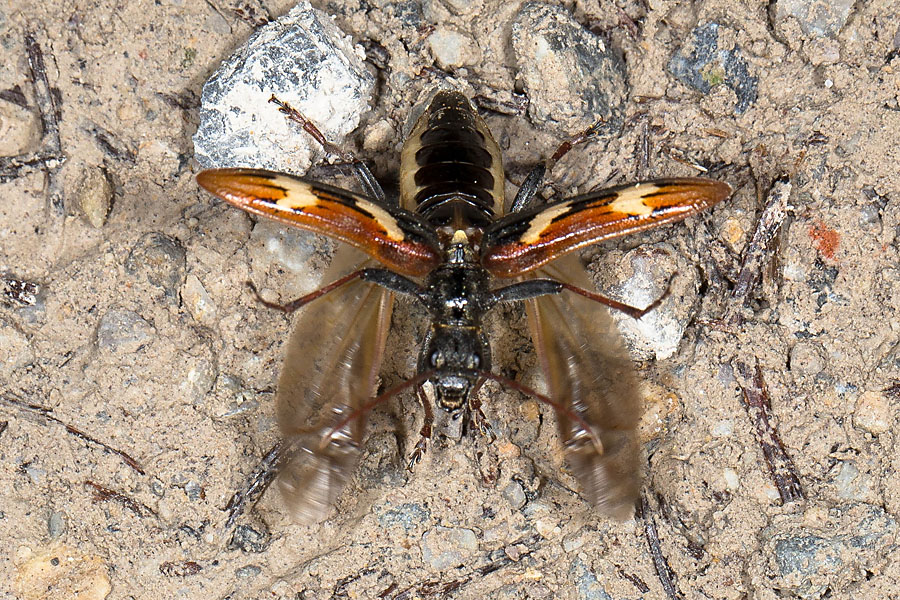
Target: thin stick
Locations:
point(663, 571)
point(44, 413)
point(758, 252)
point(759, 408)
point(102, 494)
point(258, 482)
point(50, 155)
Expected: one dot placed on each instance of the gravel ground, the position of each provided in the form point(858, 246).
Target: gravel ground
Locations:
point(137, 373)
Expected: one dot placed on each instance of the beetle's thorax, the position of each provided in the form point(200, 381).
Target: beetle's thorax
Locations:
point(455, 344)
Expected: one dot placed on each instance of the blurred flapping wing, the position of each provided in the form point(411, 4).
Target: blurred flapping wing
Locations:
point(589, 375)
point(329, 374)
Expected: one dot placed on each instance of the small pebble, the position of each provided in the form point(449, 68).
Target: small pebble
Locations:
point(703, 64)
point(639, 278)
point(303, 59)
point(514, 494)
point(94, 195)
point(60, 572)
point(56, 524)
point(873, 413)
point(732, 481)
point(448, 547)
point(815, 18)
point(247, 572)
point(198, 301)
point(452, 49)
point(249, 539)
point(409, 516)
point(123, 332)
point(807, 357)
point(160, 259)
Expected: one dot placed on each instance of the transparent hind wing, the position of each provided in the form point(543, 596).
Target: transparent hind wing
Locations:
point(589, 374)
point(330, 372)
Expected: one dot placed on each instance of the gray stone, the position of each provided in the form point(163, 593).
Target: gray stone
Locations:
point(638, 278)
point(409, 516)
point(587, 586)
point(703, 64)
point(817, 18)
point(448, 547)
point(198, 301)
point(572, 77)
point(834, 555)
point(306, 61)
point(247, 571)
point(123, 332)
point(249, 539)
point(159, 259)
point(515, 494)
point(56, 524)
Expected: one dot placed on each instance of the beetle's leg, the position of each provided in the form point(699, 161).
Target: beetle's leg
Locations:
point(478, 418)
point(371, 185)
point(534, 288)
point(535, 177)
point(425, 432)
point(386, 279)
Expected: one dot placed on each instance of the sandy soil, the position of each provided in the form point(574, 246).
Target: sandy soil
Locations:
point(134, 329)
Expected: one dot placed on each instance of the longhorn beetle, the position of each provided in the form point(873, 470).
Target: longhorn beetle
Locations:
point(450, 244)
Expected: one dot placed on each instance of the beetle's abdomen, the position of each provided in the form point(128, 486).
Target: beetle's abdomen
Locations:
point(450, 168)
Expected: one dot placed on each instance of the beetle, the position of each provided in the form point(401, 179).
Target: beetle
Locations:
point(449, 243)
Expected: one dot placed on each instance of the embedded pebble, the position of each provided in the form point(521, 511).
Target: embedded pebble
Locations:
point(814, 17)
point(200, 379)
point(94, 195)
point(514, 494)
point(15, 349)
point(59, 572)
point(835, 553)
point(638, 278)
point(587, 586)
point(56, 524)
point(249, 539)
point(732, 481)
point(123, 331)
point(198, 301)
point(873, 413)
point(160, 259)
point(452, 49)
point(304, 60)
point(807, 358)
point(247, 571)
point(850, 483)
point(573, 79)
point(409, 516)
point(702, 64)
point(302, 254)
point(448, 547)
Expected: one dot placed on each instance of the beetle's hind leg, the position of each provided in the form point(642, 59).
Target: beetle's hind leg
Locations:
point(425, 432)
point(477, 416)
point(535, 178)
point(371, 185)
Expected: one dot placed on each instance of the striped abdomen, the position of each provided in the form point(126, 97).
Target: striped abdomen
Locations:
point(450, 168)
